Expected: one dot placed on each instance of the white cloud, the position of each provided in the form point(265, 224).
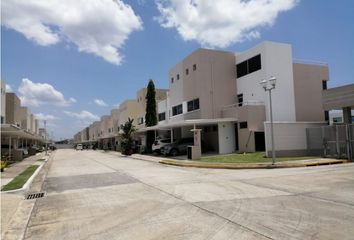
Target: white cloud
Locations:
point(97, 27)
point(220, 23)
point(83, 115)
point(36, 94)
point(100, 102)
point(42, 116)
point(8, 88)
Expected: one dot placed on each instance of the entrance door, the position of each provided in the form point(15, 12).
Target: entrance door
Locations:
point(259, 141)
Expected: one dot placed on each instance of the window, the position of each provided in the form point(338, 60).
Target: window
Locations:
point(240, 99)
point(177, 76)
point(254, 64)
point(324, 84)
point(162, 116)
point(249, 66)
point(194, 67)
point(140, 121)
point(241, 69)
point(177, 110)
point(193, 105)
point(243, 125)
point(187, 71)
point(326, 113)
point(171, 79)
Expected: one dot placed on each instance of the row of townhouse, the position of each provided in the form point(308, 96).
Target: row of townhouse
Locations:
point(19, 127)
point(104, 133)
point(219, 92)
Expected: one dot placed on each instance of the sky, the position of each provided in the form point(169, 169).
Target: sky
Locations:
point(71, 62)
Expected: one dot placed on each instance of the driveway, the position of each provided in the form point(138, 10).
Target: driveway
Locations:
point(95, 195)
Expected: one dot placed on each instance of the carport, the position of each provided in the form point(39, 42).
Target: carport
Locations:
point(217, 133)
point(14, 138)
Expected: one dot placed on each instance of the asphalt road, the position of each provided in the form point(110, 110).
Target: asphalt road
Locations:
point(95, 195)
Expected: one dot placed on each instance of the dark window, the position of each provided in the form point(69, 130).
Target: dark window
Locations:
point(140, 120)
point(241, 69)
point(162, 116)
point(249, 66)
point(240, 99)
point(215, 128)
point(324, 84)
point(326, 113)
point(243, 125)
point(187, 71)
point(172, 80)
point(194, 67)
point(254, 64)
point(177, 110)
point(2, 119)
point(177, 76)
point(193, 105)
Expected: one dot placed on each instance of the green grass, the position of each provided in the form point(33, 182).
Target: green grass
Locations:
point(41, 160)
point(21, 179)
point(258, 157)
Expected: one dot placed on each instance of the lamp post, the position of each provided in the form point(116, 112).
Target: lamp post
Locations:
point(269, 85)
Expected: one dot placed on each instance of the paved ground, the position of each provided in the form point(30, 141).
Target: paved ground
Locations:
point(95, 195)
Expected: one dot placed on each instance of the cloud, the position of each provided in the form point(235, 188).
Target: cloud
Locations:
point(36, 94)
point(97, 27)
point(8, 88)
point(220, 23)
point(100, 102)
point(42, 116)
point(83, 115)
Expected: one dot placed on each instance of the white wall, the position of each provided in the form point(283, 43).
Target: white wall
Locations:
point(288, 136)
point(276, 60)
point(226, 137)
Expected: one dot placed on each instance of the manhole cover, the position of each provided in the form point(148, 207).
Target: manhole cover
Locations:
point(34, 195)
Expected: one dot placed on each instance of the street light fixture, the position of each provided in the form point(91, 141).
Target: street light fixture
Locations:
point(269, 85)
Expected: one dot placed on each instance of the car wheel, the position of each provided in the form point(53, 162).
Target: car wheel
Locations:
point(174, 152)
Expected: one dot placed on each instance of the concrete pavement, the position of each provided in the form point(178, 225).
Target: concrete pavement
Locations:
point(93, 195)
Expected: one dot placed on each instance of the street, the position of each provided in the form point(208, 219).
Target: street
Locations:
point(96, 195)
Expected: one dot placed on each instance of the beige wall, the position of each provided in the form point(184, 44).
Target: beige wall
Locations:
point(3, 101)
point(308, 91)
point(13, 105)
point(25, 118)
point(213, 82)
point(339, 97)
point(129, 109)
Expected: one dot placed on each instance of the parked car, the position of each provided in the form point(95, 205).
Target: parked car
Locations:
point(159, 143)
point(178, 147)
point(79, 147)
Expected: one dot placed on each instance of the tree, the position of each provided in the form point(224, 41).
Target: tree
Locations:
point(150, 111)
point(150, 114)
point(126, 139)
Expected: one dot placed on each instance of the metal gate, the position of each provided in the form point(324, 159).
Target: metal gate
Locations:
point(336, 141)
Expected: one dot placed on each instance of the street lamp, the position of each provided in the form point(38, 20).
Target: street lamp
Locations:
point(269, 85)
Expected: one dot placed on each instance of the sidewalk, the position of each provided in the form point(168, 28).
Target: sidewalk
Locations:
point(15, 169)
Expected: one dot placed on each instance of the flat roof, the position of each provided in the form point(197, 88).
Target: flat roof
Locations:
point(189, 122)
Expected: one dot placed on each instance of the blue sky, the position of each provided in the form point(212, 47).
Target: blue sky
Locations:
point(147, 41)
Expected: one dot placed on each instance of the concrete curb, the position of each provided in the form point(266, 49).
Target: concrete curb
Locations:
point(28, 182)
point(196, 164)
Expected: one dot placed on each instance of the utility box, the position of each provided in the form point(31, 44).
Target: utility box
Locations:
point(194, 152)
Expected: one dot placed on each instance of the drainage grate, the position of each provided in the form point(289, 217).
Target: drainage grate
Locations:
point(34, 195)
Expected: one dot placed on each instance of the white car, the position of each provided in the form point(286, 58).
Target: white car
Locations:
point(159, 143)
point(79, 147)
